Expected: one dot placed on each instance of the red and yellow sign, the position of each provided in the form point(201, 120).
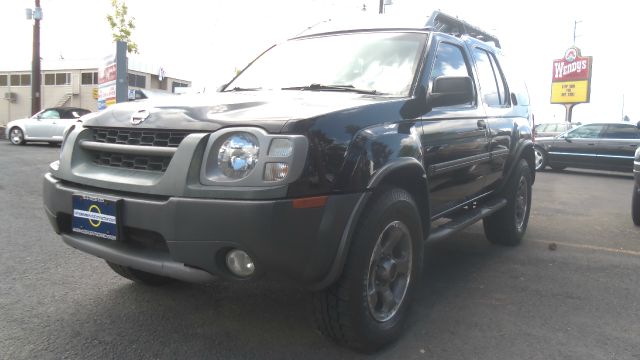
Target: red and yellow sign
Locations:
point(571, 81)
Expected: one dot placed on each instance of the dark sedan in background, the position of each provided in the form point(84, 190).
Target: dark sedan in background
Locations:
point(553, 129)
point(601, 146)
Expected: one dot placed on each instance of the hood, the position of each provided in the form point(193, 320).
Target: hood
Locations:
point(270, 110)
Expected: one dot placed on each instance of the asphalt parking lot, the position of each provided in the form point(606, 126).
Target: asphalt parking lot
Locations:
point(476, 301)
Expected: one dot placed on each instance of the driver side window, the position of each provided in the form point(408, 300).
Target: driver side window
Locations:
point(586, 132)
point(449, 61)
point(50, 114)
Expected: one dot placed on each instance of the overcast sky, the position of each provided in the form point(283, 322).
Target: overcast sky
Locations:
point(204, 41)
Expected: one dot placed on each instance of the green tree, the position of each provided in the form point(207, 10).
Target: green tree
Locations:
point(122, 25)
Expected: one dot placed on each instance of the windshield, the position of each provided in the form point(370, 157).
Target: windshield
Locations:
point(381, 63)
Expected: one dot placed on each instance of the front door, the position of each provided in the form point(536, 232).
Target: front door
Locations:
point(454, 138)
point(577, 147)
point(43, 126)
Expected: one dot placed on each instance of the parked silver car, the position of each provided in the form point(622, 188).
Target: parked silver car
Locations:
point(47, 125)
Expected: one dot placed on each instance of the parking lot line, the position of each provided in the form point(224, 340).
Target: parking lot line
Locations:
point(590, 247)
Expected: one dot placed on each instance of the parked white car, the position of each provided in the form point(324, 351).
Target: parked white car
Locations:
point(47, 125)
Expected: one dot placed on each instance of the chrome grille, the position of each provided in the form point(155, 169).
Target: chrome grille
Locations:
point(163, 138)
point(136, 162)
point(130, 159)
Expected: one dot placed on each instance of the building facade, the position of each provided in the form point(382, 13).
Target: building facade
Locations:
point(72, 84)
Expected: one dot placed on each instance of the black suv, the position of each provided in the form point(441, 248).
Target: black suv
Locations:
point(327, 162)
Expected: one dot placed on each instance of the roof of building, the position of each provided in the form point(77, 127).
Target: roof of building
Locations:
point(136, 63)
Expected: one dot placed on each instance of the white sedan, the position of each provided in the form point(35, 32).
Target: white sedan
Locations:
point(47, 125)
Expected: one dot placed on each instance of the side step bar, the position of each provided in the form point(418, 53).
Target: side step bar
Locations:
point(466, 220)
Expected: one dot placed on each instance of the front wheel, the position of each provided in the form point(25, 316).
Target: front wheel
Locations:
point(508, 225)
point(540, 158)
point(367, 307)
point(16, 136)
point(635, 205)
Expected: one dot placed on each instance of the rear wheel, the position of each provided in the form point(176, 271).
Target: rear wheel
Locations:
point(139, 276)
point(16, 136)
point(540, 158)
point(635, 205)
point(508, 225)
point(367, 307)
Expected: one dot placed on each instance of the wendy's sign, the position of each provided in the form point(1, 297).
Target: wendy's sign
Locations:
point(571, 78)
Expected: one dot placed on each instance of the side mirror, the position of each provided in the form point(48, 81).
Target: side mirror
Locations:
point(450, 90)
point(638, 125)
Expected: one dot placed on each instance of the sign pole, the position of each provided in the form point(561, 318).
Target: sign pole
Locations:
point(568, 112)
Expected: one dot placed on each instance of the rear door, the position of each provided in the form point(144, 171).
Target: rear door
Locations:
point(578, 147)
point(618, 145)
point(454, 138)
point(500, 120)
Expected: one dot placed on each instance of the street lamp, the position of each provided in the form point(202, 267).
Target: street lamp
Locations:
point(36, 15)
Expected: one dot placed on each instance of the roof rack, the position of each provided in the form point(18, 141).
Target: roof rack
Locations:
point(442, 22)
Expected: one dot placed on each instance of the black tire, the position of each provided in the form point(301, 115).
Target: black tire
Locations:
point(540, 158)
point(16, 136)
point(635, 205)
point(353, 311)
point(508, 225)
point(139, 276)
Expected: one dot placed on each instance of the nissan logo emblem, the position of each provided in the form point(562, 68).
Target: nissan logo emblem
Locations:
point(139, 116)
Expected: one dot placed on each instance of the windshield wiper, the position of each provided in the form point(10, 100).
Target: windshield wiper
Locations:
point(243, 89)
point(321, 87)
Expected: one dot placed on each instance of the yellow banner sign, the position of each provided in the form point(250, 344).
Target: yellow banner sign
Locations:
point(567, 92)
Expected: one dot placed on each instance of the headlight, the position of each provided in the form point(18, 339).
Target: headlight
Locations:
point(238, 155)
point(251, 157)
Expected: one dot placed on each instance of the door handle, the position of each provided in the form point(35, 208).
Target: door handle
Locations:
point(591, 144)
point(482, 124)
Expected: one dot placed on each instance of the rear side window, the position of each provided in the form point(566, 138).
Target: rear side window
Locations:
point(492, 84)
point(621, 131)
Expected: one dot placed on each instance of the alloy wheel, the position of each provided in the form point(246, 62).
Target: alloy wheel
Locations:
point(389, 271)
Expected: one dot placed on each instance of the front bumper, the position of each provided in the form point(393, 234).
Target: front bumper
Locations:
point(188, 238)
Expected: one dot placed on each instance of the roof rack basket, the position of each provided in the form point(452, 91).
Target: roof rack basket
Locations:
point(442, 22)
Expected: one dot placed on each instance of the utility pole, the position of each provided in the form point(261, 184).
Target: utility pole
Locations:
point(35, 62)
point(575, 25)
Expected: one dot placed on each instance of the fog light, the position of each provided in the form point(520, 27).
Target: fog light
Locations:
point(239, 263)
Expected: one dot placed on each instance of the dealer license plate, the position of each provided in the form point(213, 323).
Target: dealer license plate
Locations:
point(95, 216)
